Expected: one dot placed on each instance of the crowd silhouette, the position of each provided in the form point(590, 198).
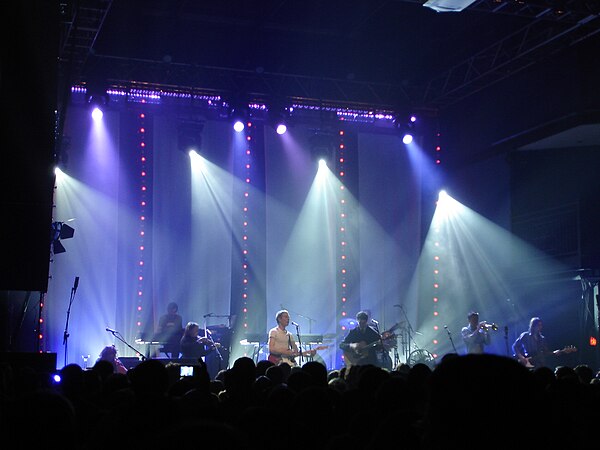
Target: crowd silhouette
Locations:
point(482, 400)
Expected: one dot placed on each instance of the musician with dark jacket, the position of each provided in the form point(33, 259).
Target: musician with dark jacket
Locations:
point(531, 348)
point(361, 344)
point(193, 345)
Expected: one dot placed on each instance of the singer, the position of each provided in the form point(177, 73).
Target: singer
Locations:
point(282, 345)
point(475, 335)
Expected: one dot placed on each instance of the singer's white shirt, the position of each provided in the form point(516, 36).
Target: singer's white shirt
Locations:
point(280, 340)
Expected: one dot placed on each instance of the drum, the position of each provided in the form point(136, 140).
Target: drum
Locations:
point(421, 356)
point(390, 342)
point(384, 360)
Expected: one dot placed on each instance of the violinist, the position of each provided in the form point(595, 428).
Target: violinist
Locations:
point(476, 334)
point(193, 345)
point(109, 353)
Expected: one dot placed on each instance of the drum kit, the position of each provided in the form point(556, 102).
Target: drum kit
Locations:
point(412, 354)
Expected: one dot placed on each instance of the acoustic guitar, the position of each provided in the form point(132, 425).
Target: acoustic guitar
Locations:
point(353, 357)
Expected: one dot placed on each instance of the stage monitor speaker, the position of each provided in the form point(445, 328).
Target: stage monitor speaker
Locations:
point(130, 361)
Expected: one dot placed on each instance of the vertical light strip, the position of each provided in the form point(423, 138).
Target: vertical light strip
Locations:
point(40, 342)
point(143, 205)
point(436, 259)
point(342, 265)
point(245, 224)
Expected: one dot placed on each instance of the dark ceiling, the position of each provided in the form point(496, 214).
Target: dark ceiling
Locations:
point(377, 53)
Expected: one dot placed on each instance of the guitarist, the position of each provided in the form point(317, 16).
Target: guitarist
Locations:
point(531, 348)
point(361, 343)
point(282, 346)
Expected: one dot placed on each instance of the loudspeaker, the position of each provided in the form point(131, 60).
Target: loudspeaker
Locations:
point(40, 362)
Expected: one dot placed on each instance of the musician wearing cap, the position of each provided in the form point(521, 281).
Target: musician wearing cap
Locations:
point(476, 334)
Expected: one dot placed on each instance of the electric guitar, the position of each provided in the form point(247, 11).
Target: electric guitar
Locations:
point(534, 361)
point(290, 359)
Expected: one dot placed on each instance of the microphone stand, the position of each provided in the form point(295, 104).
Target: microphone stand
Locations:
point(118, 336)
point(506, 339)
point(376, 328)
point(66, 332)
point(450, 337)
point(410, 332)
point(299, 344)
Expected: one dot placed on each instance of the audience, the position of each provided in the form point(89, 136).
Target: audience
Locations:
point(418, 407)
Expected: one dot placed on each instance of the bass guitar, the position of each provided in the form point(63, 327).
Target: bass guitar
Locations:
point(290, 359)
point(531, 362)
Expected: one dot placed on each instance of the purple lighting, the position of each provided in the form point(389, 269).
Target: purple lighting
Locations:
point(97, 114)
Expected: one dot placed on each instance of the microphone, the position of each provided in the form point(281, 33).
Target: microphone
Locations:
point(397, 306)
point(110, 330)
point(446, 327)
point(76, 284)
point(374, 321)
point(294, 323)
point(207, 315)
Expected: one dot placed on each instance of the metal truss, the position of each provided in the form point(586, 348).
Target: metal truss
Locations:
point(554, 26)
point(81, 25)
point(538, 40)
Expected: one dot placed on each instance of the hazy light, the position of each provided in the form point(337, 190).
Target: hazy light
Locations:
point(197, 161)
point(407, 139)
point(443, 194)
point(322, 163)
point(97, 114)
point(281, 128)
point(238, 126)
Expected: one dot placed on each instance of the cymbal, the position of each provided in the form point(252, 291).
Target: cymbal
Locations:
point(348, 323)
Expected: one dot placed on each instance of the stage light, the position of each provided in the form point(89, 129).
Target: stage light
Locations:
point(238, 126)
point(97, 114)
point(448, 5)
point(322, 145)
point(59, 231)
point(189, 135)
point(96, 96)
point(322, 163)
point(279, 116)
point(405, 126)
point(239, 112)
